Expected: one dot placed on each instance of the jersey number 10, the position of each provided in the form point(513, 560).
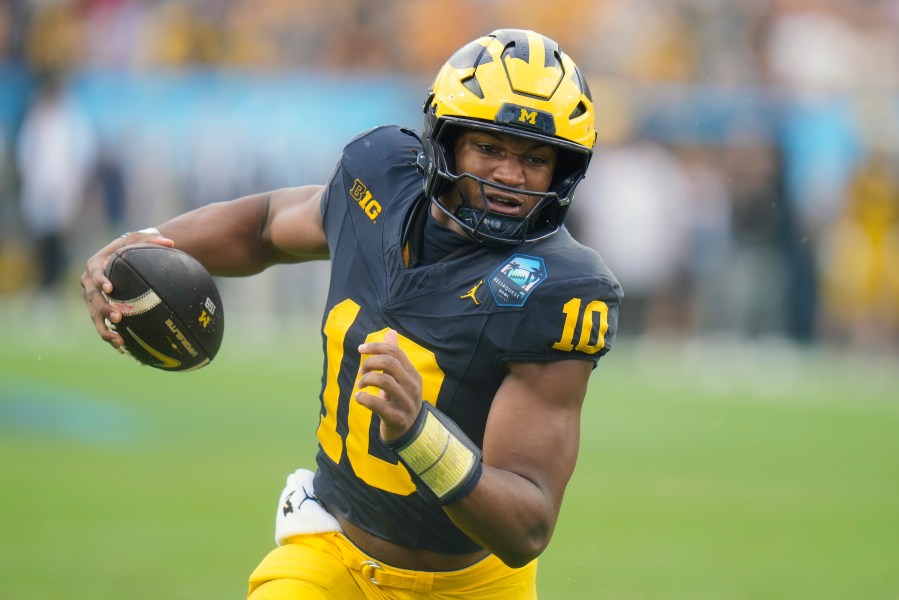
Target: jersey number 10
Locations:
point(391, 476)
point(376, 472)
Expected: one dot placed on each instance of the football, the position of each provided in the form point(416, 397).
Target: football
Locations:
point(172, 316)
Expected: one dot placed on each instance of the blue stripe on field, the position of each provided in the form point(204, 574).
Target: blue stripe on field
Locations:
point(37, 408)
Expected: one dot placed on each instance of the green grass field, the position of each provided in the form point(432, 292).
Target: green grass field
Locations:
point(706, 472)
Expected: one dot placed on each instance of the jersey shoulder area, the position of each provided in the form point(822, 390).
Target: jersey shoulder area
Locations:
point(381, 149)
point(567, 301)
point(570, 264)
point(376, 171)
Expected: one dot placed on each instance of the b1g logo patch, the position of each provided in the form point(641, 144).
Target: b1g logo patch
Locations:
point(363, 197)
point(513, 282)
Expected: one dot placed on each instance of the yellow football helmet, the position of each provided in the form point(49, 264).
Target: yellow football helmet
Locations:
point(516, 82)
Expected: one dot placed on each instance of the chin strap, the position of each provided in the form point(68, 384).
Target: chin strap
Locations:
point(444, 463)
point(487, 226)
point(495, 230)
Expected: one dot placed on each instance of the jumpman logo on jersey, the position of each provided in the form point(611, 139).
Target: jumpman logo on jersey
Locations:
point(287, 507)
point(471, 293)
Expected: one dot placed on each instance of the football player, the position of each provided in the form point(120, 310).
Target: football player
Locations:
point(461, 327)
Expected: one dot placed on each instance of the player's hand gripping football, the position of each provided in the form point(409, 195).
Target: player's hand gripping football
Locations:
point(397, 400)
point(94, 282)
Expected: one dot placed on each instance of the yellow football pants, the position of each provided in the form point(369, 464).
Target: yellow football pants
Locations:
point(327, 566)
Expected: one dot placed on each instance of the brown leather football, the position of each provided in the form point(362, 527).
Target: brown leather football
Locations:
point(172, 316)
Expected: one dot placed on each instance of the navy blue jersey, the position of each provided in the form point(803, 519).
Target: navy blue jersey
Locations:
point(459, 321)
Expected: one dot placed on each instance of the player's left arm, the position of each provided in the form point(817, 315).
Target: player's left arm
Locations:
point(505, 495)
point(532, 435)
point(530, 448)
point(530, 445)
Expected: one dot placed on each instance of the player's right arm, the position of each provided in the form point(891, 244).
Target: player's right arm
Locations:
point(235, 238)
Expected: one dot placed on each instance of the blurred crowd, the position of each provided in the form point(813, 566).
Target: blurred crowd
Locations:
point(746, 180)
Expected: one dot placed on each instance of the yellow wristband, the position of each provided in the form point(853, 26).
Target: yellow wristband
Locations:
point(439, 456)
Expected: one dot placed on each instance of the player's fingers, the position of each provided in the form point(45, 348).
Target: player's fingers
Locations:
point(150, 235)
point(370, 401)
point(101, 312)
point(380, 348)
point(101, 319)
point(108, 335)
point(391, 346)
point(405, 375)
point(94, 298)
point(94, 273)
point(161, 240)
point(391, 388)
point(380, 362)
point(386, 410)
point(386, 348)
point(379, 379)
point(395, 419)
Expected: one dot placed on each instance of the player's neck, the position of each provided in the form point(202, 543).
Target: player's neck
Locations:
point(441, 240)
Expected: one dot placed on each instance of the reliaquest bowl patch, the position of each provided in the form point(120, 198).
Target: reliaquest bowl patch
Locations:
point(514, 281)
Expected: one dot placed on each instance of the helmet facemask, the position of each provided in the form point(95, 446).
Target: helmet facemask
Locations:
point(494, 229)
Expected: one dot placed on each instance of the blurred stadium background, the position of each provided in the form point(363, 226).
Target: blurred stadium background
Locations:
point(741, 442)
